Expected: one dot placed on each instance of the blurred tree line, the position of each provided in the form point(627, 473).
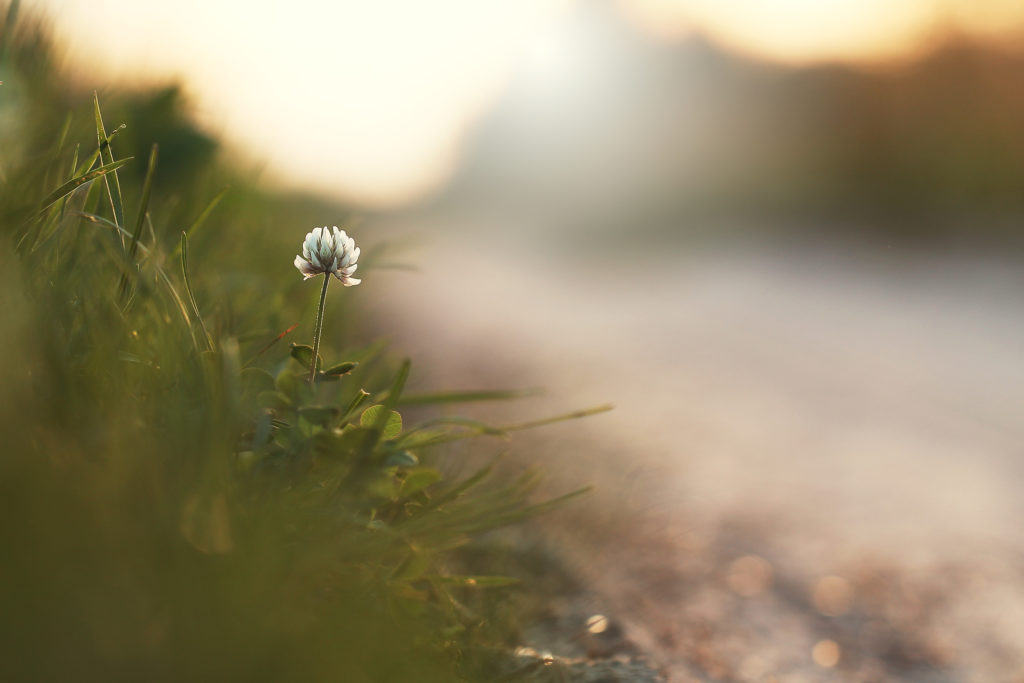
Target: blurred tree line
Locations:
point(655, 136)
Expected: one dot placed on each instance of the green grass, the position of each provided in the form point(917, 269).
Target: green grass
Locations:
point(181, 504)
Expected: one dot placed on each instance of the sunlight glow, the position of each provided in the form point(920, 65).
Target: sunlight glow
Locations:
point(372, 97)
point(372, 100)
point(803, 31)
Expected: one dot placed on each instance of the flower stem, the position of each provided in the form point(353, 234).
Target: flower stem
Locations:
point(319, 327)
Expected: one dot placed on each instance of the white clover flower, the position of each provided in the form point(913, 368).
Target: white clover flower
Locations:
point(329, 250)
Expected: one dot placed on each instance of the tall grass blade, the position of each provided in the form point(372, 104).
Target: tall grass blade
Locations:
point(91, 159)
point(354, 404)
point(179, 303)
point(188, 291)
point(62, 137)
point(74, 161)
point(416, 438)
point(70, 185)
point(103, 143)
point(574, 415)
point(147, 185)
point(466, 396)
point(462, 487)
point(396, 392)
point(201, 218)
point(100, 220)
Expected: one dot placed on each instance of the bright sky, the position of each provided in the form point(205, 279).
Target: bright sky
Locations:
point(369, 99)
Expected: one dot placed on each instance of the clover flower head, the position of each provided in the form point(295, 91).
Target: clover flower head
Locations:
point(329, 250)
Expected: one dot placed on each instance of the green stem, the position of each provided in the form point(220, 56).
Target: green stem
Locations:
point(319, 326)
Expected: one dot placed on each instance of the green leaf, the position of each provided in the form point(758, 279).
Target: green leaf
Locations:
point(383, 419)
point(417, 480)
point(334, 373)
point(340, 368)
point(402, 459)
point(304, 354)
point(389, 427)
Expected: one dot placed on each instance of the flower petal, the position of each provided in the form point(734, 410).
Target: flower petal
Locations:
point(305, 267)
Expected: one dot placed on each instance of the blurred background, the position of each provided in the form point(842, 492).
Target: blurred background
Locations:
point(784, 237)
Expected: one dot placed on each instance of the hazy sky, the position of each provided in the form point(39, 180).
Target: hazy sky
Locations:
point(370, 99)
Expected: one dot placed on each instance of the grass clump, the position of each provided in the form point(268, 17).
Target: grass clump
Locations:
point(181, 503)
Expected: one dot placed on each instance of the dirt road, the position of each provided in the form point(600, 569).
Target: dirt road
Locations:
point(785, 417)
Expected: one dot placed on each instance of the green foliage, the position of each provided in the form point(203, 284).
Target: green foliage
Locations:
point(181, 503)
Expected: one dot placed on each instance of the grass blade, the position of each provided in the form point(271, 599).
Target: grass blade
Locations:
point(574, 415)
point(100, 220)
point(473, 428)
point(188, 290)
point(466, 396)
point(103, 142)
point(396, 392)
point(270, 344)
point(147, 185)
point(70, 185)
point(354, 404)
point(74, 161)
point(91, 159)
point(462, 487)
point(179, 303)
point(201, 218)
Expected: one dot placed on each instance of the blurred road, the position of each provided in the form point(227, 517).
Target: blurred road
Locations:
point(868, 403)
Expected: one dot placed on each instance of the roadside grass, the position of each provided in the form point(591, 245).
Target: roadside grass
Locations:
point(181, 504)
